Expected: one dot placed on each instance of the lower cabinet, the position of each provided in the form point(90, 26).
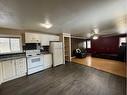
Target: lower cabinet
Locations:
point(8, 70)
point(47, 61)
point(12, 69)
point(16, 68)
point(20, 67)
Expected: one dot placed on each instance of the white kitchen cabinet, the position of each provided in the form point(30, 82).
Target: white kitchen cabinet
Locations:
point(47, 60)
point(8, 70)
point(54, 38)
point(20, 67)
point(44, 39)
point(12, 69)
point(32, 38)
point(1, 78)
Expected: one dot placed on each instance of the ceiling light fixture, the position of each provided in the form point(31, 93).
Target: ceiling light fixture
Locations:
point(96, 30)
point(95, 37)
point(46, 25)
point(94, 34)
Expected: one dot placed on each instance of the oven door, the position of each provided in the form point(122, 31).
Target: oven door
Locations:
point(34, 61)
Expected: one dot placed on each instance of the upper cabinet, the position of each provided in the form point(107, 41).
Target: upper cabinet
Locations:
point(32, 38)
point(54, 38)
point(44, 39)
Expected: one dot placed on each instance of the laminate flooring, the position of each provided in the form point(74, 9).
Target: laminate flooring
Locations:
point(111, 66)
point(68, 79)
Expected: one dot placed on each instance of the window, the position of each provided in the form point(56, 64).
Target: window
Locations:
point(10, 45)
point(84, 44)
point(4, 45)
point(15, 45)
point(88, 44)
point(122, 40)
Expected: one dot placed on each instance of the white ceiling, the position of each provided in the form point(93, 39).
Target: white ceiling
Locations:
point(72, 16)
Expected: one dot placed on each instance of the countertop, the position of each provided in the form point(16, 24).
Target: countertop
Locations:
point(45, 53)
point(6, 57)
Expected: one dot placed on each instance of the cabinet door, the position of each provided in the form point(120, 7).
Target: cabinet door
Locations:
point(36, 38)
point(8, 70)
point(47, 61)
point(1, 78)
point(32, 38)
point(28, 38)
point(54, 38)
point(45, 40)
point(20, 67)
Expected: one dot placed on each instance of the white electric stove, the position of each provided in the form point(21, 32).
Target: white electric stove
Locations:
point(34, 61)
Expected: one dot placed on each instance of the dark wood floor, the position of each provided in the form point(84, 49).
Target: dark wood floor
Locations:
point(69, 79)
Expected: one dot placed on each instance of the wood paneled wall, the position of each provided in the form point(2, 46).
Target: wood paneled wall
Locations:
point(76, 43)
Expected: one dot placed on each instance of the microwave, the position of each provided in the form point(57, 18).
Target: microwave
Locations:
point(32, 46)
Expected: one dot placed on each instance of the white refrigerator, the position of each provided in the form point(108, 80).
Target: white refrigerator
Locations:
point(56, 48)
